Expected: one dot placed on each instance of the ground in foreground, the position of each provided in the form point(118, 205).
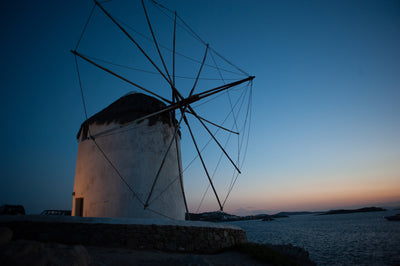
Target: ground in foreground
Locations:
point(28, 252)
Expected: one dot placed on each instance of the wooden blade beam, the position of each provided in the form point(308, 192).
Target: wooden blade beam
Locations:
point(133, 40)
point(223, 87)
point(140, 48)
point(155, 41)
point(171, 107)
point(176, 130)
point(198, 74)
point(209, 93)
point(173, 53)
point(119, 76)
point(202, 162)
point(162, 164)
point(216, 125)
point(219, 144)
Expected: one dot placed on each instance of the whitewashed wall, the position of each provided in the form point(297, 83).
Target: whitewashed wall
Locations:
point(137, 154)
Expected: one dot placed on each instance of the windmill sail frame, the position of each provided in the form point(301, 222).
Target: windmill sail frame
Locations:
point(177, 102)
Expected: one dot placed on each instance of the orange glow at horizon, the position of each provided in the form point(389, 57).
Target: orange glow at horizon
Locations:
point(312, 198)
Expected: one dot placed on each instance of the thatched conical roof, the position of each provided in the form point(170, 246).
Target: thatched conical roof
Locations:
point(126, 109)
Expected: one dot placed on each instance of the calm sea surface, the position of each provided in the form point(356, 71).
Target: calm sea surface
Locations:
point(341, 239)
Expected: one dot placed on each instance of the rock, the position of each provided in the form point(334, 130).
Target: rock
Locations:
point(24, 252)
point(297, 254)
point(5, 235)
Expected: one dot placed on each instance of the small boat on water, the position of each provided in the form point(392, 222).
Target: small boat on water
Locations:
point(393, 218)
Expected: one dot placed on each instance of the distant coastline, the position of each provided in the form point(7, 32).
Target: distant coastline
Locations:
point(219, 216)
point(366, 209)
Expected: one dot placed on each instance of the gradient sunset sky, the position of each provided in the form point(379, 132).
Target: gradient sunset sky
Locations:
point(325, 129)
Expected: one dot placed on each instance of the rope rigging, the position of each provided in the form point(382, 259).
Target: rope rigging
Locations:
point(147, 71)
point(84, 27)
point(149, 39)
point(215, 133)
point(230, 103)
point(235, 174)
point(196, 36)
point(247, 141)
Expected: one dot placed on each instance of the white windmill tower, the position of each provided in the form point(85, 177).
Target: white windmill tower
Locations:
point(106, 165)
point(129, 157)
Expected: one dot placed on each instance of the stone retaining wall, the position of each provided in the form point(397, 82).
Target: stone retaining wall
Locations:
point(136, 236)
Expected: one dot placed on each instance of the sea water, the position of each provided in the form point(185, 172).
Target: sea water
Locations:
point(339, 239)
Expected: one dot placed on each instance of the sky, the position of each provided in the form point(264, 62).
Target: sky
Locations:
point(325, 116)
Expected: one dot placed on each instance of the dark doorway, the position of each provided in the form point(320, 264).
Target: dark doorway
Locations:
point(79, 207)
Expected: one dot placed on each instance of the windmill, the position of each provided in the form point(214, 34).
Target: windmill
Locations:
point(125, 167)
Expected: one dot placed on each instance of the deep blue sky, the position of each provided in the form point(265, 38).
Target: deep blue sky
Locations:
point(326, 115)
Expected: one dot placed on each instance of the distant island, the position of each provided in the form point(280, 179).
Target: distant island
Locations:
point(366, 209)
point(219, 216)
